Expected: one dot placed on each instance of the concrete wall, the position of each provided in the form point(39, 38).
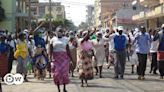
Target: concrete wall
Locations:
point(9, 22)
point(126, 13)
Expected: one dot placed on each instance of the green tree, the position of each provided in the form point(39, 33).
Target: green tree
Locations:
point(2, 13)
point(83, 26)
point(64, 23)
point(48, 16)
point(68, 24)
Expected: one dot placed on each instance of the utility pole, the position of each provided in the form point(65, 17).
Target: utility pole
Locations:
point(29, 15)
point(50, 15)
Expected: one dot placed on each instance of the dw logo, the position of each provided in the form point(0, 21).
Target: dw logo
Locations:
point(11, 79)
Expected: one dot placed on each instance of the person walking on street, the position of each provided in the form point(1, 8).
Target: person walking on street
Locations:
point(85, 59)
point(133, 55)
point(3, 56)
point(61, 57)
point(12, 45)
point(106, 35)
point(110, 49)
point(73, 45)
point(99, 51)
point(153, 52)
point(142, 41)
point(21, 54)
point(120, 41)
point(160, 52)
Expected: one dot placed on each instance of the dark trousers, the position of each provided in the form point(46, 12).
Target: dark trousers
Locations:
point(142, 58)
point(119, 65)
point(154, 62)
point(161, 67)
point(0, 87)
point(10, 64)
point(10, 60)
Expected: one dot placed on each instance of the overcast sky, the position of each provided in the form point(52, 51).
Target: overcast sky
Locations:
point(75, 9)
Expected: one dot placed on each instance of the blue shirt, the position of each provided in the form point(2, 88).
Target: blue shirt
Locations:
point(3, 48)
point(39, 42)
point(120, 42)
point(143, 43)
point(160, 36)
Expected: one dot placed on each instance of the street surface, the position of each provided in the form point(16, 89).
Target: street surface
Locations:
point(106, 84)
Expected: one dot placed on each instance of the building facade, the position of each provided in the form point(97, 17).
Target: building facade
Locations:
point(90, 15)
point(57, 10)
point(153, 15)
point(34, 8)
point(17, 14)
point(105, 8)
point(123, 16)
point(97, 11)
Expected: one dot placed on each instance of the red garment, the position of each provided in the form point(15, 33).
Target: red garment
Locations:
point(160, 55)
point(3, 65)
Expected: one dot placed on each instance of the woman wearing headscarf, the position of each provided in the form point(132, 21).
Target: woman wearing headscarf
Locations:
point(99, 50)
point(21, 55)
point(40, 59)
point(73, 46)
point(61, 57)
point(85, 59)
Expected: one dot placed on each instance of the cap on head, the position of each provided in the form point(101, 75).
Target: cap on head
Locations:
point(98, 33)
point(71, 33)
point(26, 31)
point(84, 33)
point(31, 36)
point(162, 26)
point(59, 29)
point(120, 28)
point(142, 27)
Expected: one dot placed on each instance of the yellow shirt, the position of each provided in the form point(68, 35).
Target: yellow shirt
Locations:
point(21, 50)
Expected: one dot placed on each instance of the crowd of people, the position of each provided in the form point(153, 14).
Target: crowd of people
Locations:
point(60, 53)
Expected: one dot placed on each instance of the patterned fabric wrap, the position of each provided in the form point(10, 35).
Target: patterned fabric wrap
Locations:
point(40, 61)
point(86, 45)
point(85, 65)
point(60, 68)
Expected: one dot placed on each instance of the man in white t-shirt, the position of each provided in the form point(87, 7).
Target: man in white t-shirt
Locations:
point(153, 51)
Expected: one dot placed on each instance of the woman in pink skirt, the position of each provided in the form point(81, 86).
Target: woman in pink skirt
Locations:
point(61, 58)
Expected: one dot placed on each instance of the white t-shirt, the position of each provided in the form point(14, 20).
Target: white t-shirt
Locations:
point(12, 44)
point(59, 44)
point(154, 46)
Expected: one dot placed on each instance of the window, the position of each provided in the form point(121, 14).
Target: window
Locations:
point(58, 9)
point(59, 16)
